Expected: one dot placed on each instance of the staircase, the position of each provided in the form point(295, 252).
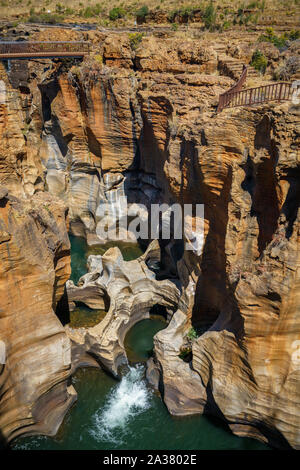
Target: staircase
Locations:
point(281, 22)
point(233, 68)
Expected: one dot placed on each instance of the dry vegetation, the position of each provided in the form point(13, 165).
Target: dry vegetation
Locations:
point(217, 14)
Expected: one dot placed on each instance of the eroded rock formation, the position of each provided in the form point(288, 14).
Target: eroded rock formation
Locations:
point(35, 265)
point(132, 290)
point(248, 360)
point(142, 123)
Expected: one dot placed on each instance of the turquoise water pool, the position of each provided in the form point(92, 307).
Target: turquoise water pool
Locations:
point(129, 414)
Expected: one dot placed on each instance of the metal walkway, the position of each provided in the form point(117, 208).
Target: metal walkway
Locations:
point(280, 91)
point(47, 49)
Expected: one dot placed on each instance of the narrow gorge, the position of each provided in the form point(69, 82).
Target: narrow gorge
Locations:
point(76, 136)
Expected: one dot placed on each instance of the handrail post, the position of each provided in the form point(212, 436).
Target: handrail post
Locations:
point(280, 90)
point(250, 97)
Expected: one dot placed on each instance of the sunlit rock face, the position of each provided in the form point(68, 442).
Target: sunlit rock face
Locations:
point(130, 290)
point(36, 353)
point(88, 135)
point(86, 123)
point(247, 288)
point(143, 124)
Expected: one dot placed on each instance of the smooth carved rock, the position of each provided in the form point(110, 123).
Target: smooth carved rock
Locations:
point(152, 113)
point(90, 289)
point(35, 264)
point(247, 279)
point(184, 393)
point(3, 192)
point(132, 290)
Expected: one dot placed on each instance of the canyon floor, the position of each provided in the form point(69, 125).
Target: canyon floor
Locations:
point(138, 118)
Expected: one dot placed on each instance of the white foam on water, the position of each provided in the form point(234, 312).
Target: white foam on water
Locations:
point(33, 443)
point(128, 399)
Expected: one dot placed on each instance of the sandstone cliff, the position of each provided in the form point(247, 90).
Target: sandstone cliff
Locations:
point(246, 284)
point(132, 291)
point(142, 122)
point(35, 264)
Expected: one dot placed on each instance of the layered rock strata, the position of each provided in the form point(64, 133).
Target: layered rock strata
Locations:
point(35, 264)
point(247, 279)
point(142, 123)
point(132, 290)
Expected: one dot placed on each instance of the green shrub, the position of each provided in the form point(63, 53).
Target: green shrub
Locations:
point(104, 22)
point(97, 9)
point(262, 5)
point(142, 12)
point(174, 27)
point(192, 334)
point(59, 8)
point(279, 41)
point(184, 353)
point(135, 39)
point(186, 13)
point(209, 17)
point(171, 16)
point(69, 11)
point(226, 25)
point(294, 35)
point(252, 5)
point(88, 12)
point(47, 18)
point(116, 13)
point(259, 61)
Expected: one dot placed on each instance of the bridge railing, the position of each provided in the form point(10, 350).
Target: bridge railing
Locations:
point(34, 47)
point(224, 98)
point(280, 91)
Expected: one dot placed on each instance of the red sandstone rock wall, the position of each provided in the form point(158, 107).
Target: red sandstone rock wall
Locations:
point(153, 111)
point(35, 264)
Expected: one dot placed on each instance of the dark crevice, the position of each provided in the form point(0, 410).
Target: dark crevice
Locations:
point(273, 296)
point(46, 107)
point(291, 204)
point(249, 182)
point(210, 291)
point(265, 204)
point(158, 309)
point(62, 309)
point(93, 144)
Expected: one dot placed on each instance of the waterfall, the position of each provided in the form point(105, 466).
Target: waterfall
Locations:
point(126, 400)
